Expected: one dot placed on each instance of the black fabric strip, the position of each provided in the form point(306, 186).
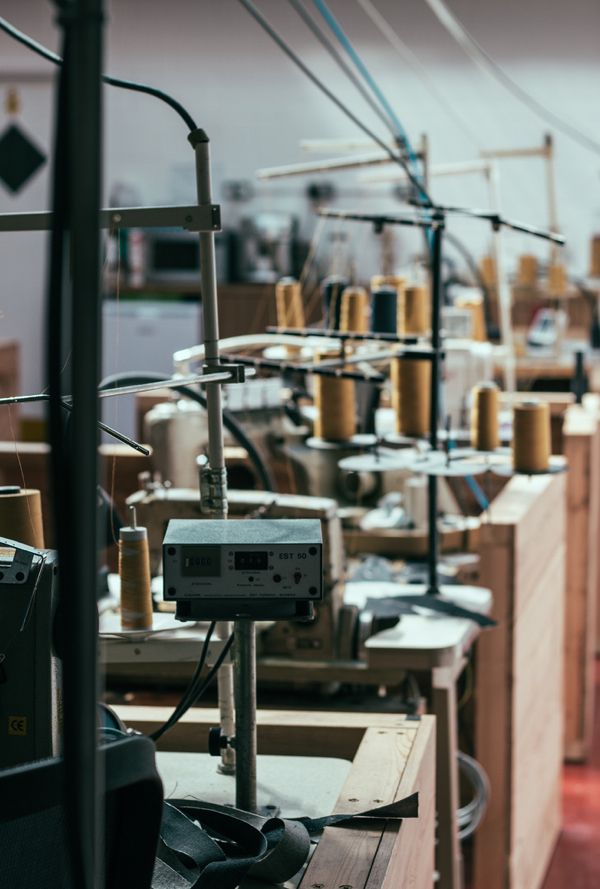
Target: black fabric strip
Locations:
point(392, 606)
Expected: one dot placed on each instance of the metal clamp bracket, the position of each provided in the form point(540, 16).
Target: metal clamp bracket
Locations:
point(237, 371)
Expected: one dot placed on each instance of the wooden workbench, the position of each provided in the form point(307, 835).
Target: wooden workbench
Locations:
point(519, 683)
point(392, 757)
point(427, 643)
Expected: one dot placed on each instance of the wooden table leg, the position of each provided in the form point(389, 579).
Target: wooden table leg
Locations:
point(443, 706)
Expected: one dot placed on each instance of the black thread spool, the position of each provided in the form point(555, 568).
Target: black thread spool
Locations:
point(332, 288)
point(384, 310)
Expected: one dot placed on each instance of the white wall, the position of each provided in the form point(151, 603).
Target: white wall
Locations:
point(256, 107)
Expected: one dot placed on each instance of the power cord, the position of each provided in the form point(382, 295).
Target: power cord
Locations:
point(196, 688)
point(50, 56)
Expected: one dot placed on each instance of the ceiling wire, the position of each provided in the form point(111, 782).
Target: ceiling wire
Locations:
point(480, 57)
point(411, 59)
point(286, 48)
point(326, 42)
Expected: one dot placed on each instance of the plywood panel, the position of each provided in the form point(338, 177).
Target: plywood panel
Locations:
point(581, 442)
point(519, 705)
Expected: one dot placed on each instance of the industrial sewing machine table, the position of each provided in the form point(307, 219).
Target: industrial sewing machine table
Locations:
point(429, 643)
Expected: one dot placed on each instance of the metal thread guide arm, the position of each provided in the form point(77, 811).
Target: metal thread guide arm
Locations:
point(436, 310)
point(213, 494)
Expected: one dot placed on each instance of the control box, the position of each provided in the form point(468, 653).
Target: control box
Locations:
point(266, 569)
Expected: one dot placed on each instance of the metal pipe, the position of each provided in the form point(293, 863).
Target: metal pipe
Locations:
point(335, 165)
point(245, 701)
point(502, 286)
point(436, 312)
point(78, 557)
point(213, 477)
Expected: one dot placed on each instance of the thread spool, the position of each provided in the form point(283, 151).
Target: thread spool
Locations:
point(335, 400)
point(474, 304)
point(411, 395)
point(398, 282)
point(485, 411)
point(595, 256)
point(557, 280)
point(21, 515)
point(134, 571)
point(354, 314)
point(416, 311)
point(288, 302)
point(384, 310)
point(527, 273)
point(531, 437)
point(331, 296)
point(487, 269)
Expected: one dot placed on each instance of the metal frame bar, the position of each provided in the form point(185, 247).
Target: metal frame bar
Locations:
point(202, 218)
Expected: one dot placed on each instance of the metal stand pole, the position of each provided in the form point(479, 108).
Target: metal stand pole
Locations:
point(436, 310)
point(245, 700)
point(213, 477)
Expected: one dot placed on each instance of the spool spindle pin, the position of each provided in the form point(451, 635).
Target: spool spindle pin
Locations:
point(132, 517)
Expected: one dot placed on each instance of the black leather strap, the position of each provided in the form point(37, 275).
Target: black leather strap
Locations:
point(206, 846)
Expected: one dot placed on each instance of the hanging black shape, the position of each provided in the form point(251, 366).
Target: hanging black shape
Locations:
point(19, 158)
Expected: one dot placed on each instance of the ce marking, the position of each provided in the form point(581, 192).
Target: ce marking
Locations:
point(17, 726)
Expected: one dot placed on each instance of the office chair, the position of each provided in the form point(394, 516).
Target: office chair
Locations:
point(33, 830)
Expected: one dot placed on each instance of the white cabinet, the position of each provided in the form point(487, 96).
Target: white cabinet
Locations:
point(142, 336)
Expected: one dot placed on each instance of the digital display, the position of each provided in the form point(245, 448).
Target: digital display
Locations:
point(201, 561)
point(251, 561)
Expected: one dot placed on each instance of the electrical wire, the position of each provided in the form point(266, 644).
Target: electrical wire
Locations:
point(334, 25)
point(193, 684)
point(286, 48)
point(325, 42)
point(119, 82)
point(135, 378)
point(480, 57)
point(197, 692)
point(411, 58)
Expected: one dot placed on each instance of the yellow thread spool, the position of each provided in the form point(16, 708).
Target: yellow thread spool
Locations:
point(531, 436)
point(134, 571)
point(411, 395)
point(399, 283)
point(485, 427)
point(557, 280)
point(335, 400)
point(595, 257)
point(21, 516)
point(474, 304)
point(487, 268)
point(416, 311)
point(288, 302)
point(354, 311)
point(527, 273)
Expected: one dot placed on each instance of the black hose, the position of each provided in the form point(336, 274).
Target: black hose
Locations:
point(50, 56)
point(136, 378)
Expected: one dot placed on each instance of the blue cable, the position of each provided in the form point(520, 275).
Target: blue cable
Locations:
point(342, 38)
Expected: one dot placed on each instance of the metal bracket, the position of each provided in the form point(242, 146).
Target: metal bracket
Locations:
point(237, 371)
point(17, 570)
point(195, 218)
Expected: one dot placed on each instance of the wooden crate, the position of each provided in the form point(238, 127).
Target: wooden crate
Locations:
point(581, 447)
point(591, 402)
point(392, 757)
point(519, 683)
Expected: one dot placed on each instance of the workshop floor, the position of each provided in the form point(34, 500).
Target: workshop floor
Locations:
point(576, 861)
